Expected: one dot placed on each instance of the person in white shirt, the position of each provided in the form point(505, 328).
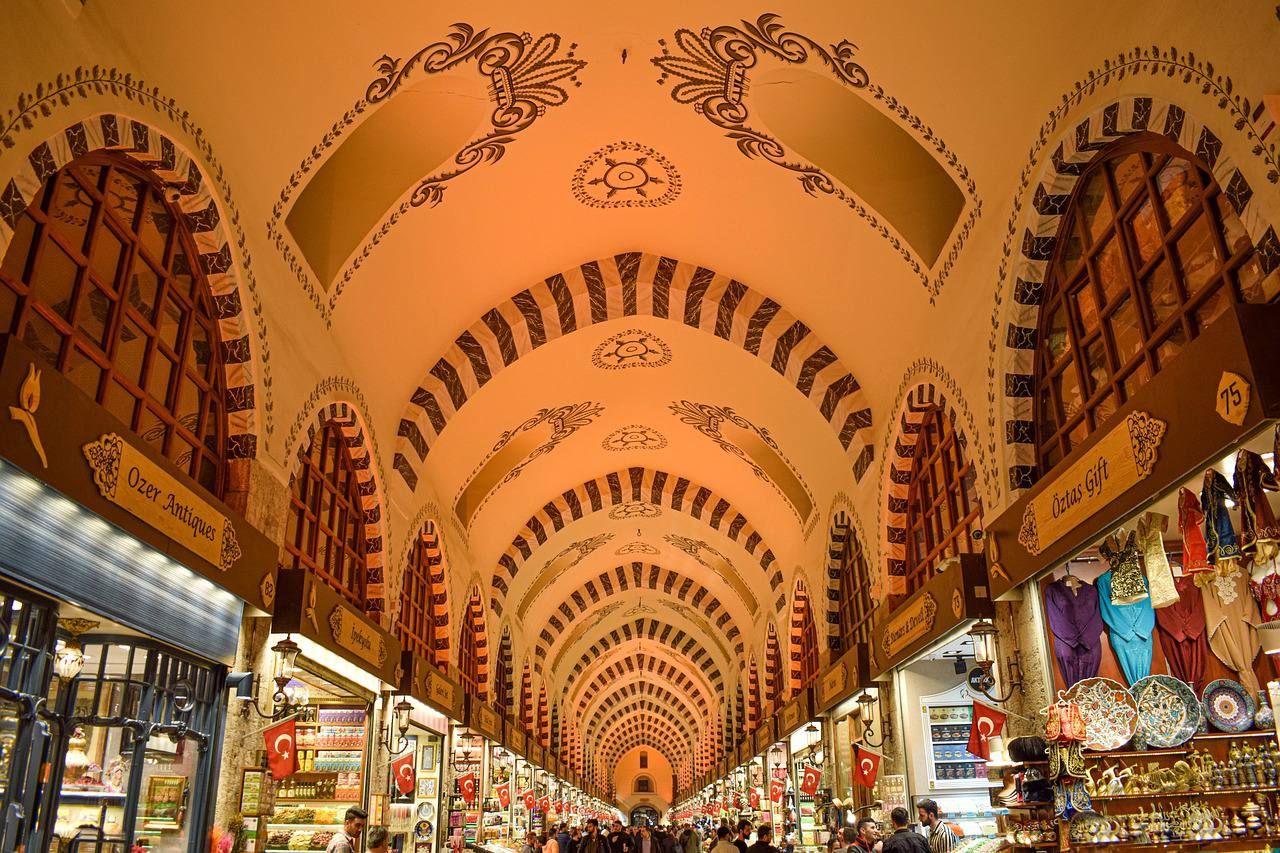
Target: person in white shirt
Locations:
point(941, 838)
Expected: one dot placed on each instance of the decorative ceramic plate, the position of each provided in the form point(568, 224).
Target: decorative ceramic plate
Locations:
point(1109, 711)
point(1228, 705)
point(422, 830)
point(1168, 711)
point(426, 811)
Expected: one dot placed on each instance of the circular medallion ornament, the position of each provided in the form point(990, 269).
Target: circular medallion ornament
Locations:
point(626, 174)
point(634, 437)
point(1228, 705)
point(634, 509)
point(1109, 711)
point(632, 348)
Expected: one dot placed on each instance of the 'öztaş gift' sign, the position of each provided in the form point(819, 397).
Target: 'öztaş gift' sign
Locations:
point(1113, 465)
point(127, 478)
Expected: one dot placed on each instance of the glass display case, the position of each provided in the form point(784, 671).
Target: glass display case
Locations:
point(467, 757)
point(946, 719)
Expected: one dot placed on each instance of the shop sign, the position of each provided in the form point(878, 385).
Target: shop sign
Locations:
point(143, 489)
point(1115, 464)
point(795, 713)
point(357, 636)
point(442, 692)
point(485, 719)
point(909, 623)
point(764, 736)
point(57, 434)
point(517, 740)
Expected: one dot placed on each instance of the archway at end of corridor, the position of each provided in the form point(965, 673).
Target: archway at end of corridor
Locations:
point(644, 816)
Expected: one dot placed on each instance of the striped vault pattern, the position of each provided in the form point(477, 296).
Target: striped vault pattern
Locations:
point(344, 416)
point(630, 485)
point(473, 622)
point(632, 668)
point(636, 733)
point(1040, 227)
point(841, 530)
point(433, 555)
point(799, 611)
point(658, 720)
point(635, 576)
point(634, 284)
point(773, 674)
point(628, 697)
point(651, 630)
point(167, 160)
point(755, 707)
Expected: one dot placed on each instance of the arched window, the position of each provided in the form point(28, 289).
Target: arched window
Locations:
point(102, 279)
point(804, 642)
point(424, 605)
point(503, 679)
point(644, 785)
point(1149, 252)
point(943, 507)
point(473, 652)
point(326, 531)
point(855, 607)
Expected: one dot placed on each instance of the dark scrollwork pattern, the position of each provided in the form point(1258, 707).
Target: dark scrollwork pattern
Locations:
point(523, 76)
point(712, 69)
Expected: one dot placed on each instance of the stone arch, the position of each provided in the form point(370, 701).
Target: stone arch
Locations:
point(628, 576)
point(623, 493)
point(755, 703)
point(651, 630)
point(346, 417)
point(474, 639)
point(431, 542)
point(634, 284)
point(774, 676)
point(503, 676)
point(694, 708)
point(922, 398)
point(630, 666)
point(656, 720)
point(801, 608)
point(1023, 266)
point(619, 705)
point(243, 350)
point(525, 703)
point(837, 536)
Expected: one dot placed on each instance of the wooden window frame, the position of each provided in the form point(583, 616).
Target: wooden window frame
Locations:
point(854, 609)
point(417, 624)
point(943, 507)
point(808, 648)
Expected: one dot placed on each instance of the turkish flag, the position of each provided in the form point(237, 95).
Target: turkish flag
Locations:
point(529, 800)
point(987, 723)
point(467, 787)
point(866, 766)
point(504, 794)
point(282, 752)
point(402, 770)
point(545, 804)
point(809, 784)
point(777, 788)
point(754, 798)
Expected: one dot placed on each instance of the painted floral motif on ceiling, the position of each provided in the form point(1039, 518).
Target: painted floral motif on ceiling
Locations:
point(636, 548)
point(632, 348)
point(634, 437)
point(694, 548)
point(626, 174)
point(578, 551)
point(709, 69)
point(526, 77)
point(635, 509)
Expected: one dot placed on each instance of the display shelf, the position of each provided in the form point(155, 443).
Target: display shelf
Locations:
point(1206, 737)
point(1216, 792)
point(1175, 845)
point(312, 801)
point(94, 795)
point(303, 825)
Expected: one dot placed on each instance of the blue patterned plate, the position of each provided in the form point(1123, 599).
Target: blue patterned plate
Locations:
point(1228, 705)
point(1168, 711)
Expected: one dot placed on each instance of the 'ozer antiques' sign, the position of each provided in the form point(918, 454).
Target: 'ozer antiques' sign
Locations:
point(1109, 468)
point(146, 491)
point(356, 636)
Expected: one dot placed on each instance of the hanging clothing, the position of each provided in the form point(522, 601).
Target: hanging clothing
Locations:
point(1267, 593)
point(1230, 615)
point(1129, 628)
point(1182, 633)
point(1076, 623)
point(1219, 535)
point(1149, 530)
point(1195, 553)
point(1259, 532)
point(1127, 583)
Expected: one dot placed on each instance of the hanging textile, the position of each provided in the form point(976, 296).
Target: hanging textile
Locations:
point(1230, 617)
point(1150, 532)
point(1129, 628)
point(1076, 623)
point(1182, 633)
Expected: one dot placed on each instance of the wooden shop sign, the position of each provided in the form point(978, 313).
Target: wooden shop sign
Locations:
point(424, 682)
point(841, 680)
point(59, 435)
point(484, 719)
point(1125, 455)
point(959, 593)
point(312, 608)
point(795, 713)
point(1221, 387)
point(744, 752)
point(764, 736)
point(517, 739)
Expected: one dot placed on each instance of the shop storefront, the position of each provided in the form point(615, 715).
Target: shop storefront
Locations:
point(806, 798)
point(113, 697)
point(1149, 558)
point(344, 664)
point(845, 703)
point(923, 653)
point(436, 703)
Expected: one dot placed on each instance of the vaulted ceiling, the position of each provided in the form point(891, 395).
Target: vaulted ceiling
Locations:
point(625, 298)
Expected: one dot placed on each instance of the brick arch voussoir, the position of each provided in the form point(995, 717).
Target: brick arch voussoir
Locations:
point(654, 631)
point(634, 284)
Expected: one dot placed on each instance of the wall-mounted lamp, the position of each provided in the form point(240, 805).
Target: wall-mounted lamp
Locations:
point(397, 741)
point(983, 634)
point(868, 708)
point(69, 658)
point(289, 695)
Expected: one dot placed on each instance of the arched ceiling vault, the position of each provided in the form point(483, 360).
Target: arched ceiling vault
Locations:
point(693, 714)
point(621, 665)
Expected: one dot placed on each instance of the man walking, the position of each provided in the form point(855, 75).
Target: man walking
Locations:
point(903, 840)
point(764, 840)
point(941, 838)
point(744, 835)
point(592, 841)
point(352, 825)
point(867, 838)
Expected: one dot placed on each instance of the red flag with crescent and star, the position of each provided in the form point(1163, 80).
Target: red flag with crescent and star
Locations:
point(809, 784)
point(402, 770)
point(545, 804)
point(529, 800)
point(754, 798)
point(777, 788)
point(987, 723)
point(504, 794)
point(467, 787)
point(282, 752)
point(866, 766)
